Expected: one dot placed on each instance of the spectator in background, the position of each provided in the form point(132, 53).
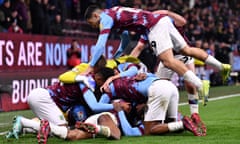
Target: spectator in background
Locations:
point(57, 26)
point(7, 15)
point(76, 9)
point(73, 55)
point(125, 3)
point(2, 17)
point(138, 4)
point(62, 6)
point(15, 28)
point(52, 6)
point(47, 17)
point(111, 3)
point(1, 2)
point(152, 5)
point(222, 52)
point(37, 16)
point(22, 9)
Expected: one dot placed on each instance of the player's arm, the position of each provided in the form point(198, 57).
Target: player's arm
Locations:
point(91, 100)
point(127, 129)
point(179, 20)
point(71, 76)
point(106, 24)
point(139, 47)
point(123, 44)
point(131, 70)
point(128, 70)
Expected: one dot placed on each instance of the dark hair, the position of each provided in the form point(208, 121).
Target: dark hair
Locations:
point(101, 62)
point(105, 72)
point(90, 10)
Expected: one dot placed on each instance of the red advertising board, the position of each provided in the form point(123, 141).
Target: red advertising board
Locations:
point(30, 61)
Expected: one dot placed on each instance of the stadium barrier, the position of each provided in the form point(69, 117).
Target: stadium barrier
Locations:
point(29, 61)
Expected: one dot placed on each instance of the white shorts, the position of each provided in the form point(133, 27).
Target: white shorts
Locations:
point(162, 101)
point(164, 35)
point(166, 73)
point(94, 118)
point(42, 105)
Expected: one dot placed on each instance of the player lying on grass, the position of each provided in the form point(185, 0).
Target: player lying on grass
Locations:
point(161, 97)
point(101, 124)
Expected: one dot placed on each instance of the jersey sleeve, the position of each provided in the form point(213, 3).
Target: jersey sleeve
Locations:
point(128, 70)
point(105, 98)
point(106, 23)
point(127, 129)
point(123, 44)
point(91, 100)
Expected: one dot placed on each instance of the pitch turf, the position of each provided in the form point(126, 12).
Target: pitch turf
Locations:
point(222, 118)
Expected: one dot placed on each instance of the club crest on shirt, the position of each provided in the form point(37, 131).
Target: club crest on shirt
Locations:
point(80, 115)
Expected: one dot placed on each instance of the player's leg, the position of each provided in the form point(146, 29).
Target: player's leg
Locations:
point(191, 91)
point(108, 120)
point(42, 105)
point(208, 59)
point(158, 100)
point(106, 124)
point(43, 128)
point(77, 134)
point(60, 131)
point(193, 101)
point(157, 112)
point(162, 43)
point(23, 125)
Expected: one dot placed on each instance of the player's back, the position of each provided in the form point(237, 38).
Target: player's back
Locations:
point(65, 95)
point(132, 19)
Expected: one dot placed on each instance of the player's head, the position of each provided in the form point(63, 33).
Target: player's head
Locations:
point(77, 113)
point(92, 15)
point(102, 75)
point(99, 64)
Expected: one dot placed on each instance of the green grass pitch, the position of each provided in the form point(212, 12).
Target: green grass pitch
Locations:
point(222, 118)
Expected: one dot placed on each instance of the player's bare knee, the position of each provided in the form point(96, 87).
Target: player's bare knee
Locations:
point(104, 118)
point(168, 63)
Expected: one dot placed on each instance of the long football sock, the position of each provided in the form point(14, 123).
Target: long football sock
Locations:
point(60, 131)
point(192, 78)
point(31, 124)
point(213, 62)
point(175, 126)
point(193, 103)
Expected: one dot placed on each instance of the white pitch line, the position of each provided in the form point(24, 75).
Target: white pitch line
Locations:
point(3, 133)
point(181, 104)
point(215, 98)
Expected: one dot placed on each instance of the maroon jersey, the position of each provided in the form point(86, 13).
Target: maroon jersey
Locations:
point(132, 19)
point(66, 95)
point(124, 90)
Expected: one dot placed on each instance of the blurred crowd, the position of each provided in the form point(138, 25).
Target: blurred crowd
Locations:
point(208, 20)
point(215, 23)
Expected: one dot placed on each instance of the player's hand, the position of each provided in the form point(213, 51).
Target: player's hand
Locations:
point(140, 107)
point(126, 106)
point(117, 106)
point(141, 76)
point(105, 89)
point(105, 86)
